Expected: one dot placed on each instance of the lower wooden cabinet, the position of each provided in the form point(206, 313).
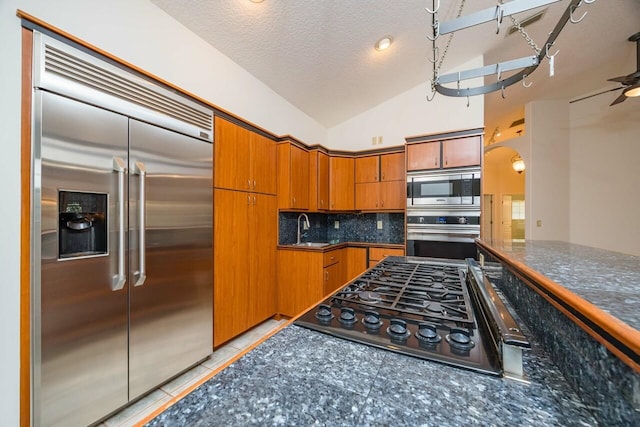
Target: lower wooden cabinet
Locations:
point(245, 239)
point(377, 254)
point(306, 277)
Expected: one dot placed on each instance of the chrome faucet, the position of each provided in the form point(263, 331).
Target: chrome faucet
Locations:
point(305, 224)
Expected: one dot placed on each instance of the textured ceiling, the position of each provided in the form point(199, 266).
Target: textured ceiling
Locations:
point(319, 55)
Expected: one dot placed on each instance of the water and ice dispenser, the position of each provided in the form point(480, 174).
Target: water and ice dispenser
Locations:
point(82, 224)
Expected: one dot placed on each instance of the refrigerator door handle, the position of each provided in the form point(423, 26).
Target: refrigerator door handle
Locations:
point(141, 170)
point(119, 279)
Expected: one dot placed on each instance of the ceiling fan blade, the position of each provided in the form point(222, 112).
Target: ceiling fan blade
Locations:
point(619, 99)
point(625, 80)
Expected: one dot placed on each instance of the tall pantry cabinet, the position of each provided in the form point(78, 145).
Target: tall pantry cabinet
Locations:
point(245, 230)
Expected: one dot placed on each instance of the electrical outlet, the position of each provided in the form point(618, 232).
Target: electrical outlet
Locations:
point(380, 140)
point(373, 140)
point(380, 225)
point(336, 224)
point(539, 223)
point(305, 225)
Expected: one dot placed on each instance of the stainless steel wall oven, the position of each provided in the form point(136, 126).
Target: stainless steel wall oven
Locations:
point(443, 213)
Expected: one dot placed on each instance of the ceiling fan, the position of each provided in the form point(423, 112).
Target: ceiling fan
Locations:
point(630, 82)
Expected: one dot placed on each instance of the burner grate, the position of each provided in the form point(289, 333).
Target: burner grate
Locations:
point(421, 292)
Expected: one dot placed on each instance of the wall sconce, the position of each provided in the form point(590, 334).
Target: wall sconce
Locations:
point(517, 163)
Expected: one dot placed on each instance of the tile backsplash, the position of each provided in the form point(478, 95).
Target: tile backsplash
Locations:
point(352, 228)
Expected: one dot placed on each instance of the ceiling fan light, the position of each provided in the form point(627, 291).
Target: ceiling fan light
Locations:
point(633, 91)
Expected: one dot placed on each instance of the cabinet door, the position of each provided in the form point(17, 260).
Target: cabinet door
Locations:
point(332, 278)
point(323, 181)
point(425, 155)
point(299, 178)
point(368, 196)
point(392, 167)
point(393, 195)
point(461, 152)
point(367, 168)
point(355, 262)
point(341, 184)
point(299, 281)
point(230, 270)
point(263, 164)
point(263, 239)
point(231, 156)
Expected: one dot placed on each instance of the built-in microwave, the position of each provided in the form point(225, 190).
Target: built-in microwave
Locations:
point(443, 188)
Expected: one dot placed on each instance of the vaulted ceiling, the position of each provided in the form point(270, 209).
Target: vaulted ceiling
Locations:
point(320, 56)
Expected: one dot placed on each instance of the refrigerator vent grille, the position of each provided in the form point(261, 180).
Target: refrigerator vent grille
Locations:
point(83, 72)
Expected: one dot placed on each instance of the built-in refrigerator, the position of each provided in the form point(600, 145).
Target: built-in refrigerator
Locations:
point(122, 248)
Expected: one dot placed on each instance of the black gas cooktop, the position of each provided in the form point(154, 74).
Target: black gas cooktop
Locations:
point(420, 307)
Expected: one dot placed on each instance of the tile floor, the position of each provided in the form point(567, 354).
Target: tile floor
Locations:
point(134, 414)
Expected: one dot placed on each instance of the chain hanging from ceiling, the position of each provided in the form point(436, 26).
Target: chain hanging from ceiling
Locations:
point(526, 65)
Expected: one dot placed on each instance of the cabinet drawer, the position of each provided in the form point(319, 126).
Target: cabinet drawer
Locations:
point(377, 254)
point(331, 257)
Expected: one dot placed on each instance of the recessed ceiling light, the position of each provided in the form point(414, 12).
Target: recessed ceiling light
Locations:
point(256, 1)
point(384, 43)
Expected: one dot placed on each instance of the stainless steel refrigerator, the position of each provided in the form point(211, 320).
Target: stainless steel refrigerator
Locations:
point(122, 236)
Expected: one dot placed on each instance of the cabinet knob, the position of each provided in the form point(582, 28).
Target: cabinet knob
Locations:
point(254, 184)
point(326, 276)
point(248, 200)
point(249, 184)
point(382, 203)
point(294, 202)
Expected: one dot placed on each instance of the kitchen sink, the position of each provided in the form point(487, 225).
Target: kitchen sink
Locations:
point(311, 244)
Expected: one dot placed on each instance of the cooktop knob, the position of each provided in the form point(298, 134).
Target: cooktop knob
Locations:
point(398, 330)
point(371, 320)
point(324, 313)
point(428, 333)
point(348, 316)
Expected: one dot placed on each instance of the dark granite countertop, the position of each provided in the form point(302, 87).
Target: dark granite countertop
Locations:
point(609, 280)
point(300, 377)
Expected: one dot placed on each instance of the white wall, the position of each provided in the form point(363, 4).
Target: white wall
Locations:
point(547, 181)
point(605, 177)
point(9, 214)
point(410, 114)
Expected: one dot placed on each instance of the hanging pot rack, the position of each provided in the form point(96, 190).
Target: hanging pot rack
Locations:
point(527, 64)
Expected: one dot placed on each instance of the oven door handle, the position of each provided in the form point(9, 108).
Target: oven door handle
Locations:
point(119, 279)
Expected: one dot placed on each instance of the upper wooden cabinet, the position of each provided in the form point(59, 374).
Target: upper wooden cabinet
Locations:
point(367, 169)
point(392, 167)
point(341, 184)
point(380, 182)
point(243, 160)
point(318, 181)
point(293, 177)
point(425, 155)
point(449, 153)
point(384, 167)
point(461, 152)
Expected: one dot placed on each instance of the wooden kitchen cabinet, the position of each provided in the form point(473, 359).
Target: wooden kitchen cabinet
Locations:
point(461, 152)
point(318, 181)
point(355, 262)
point(300, 280)
point(377, 254)
point(245, 239)
point(392, 167)
point(367, 169)
point(449, 153)
point(388, 190)
point(333, 271)
point(425, 155)
point(243, 160)
point(293, 177)
point(306, 277)
point(341, 184)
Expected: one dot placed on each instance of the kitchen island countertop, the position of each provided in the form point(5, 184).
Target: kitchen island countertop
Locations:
point(302, 377)
point(607, 279)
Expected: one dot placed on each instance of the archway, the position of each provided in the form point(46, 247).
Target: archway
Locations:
point(503, 192)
